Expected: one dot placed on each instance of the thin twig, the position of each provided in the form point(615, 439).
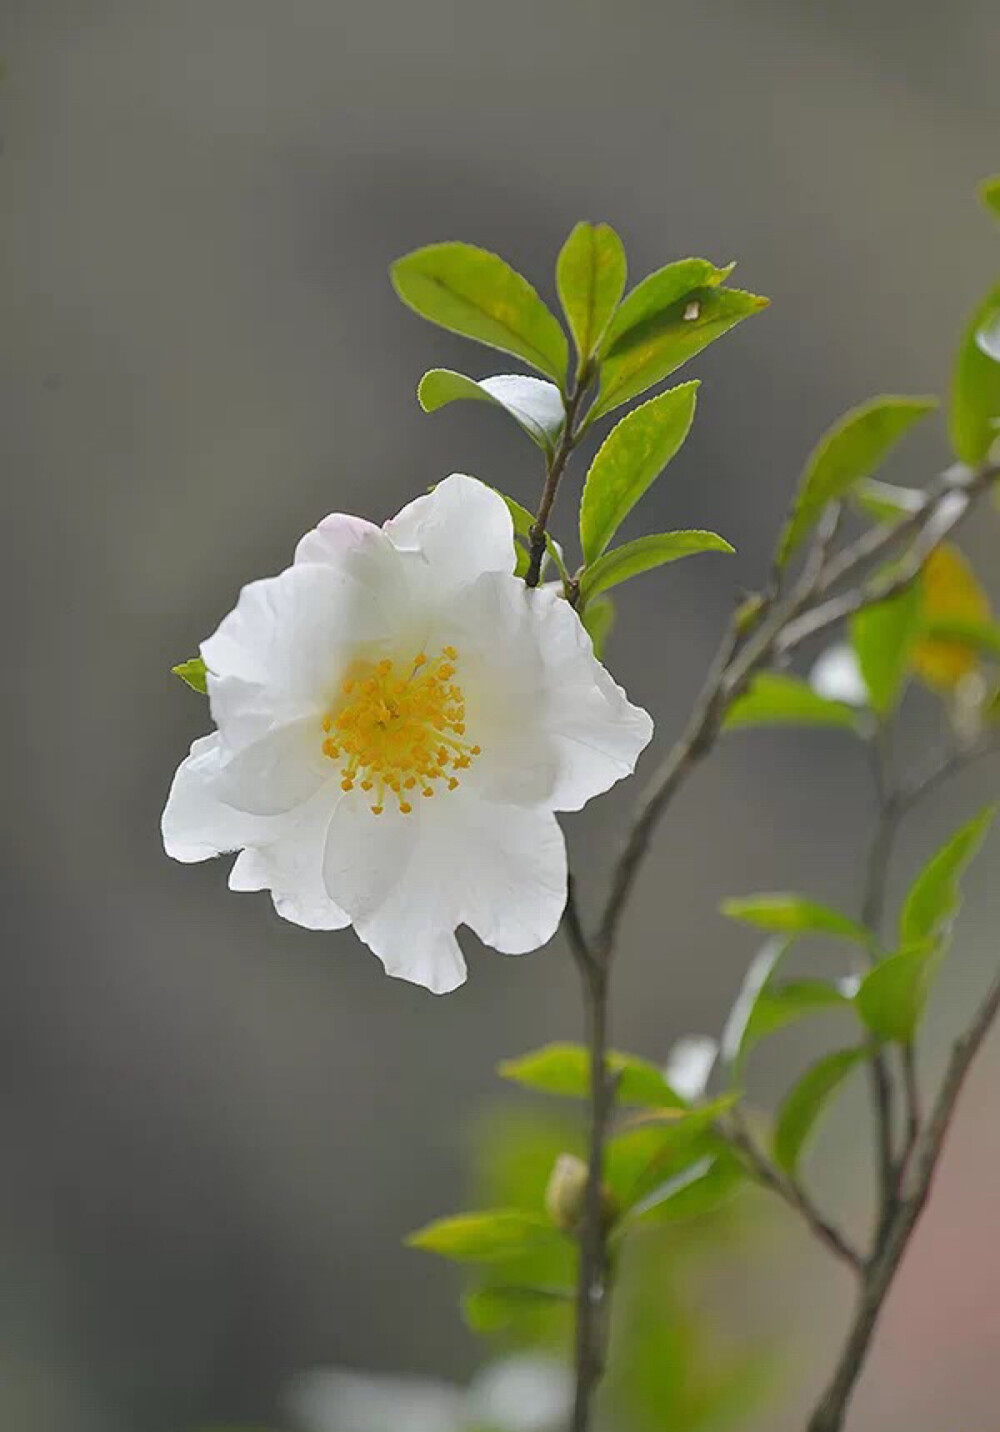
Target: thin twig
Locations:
point(831, 1409)
point(568, 438)
point(791, 1191)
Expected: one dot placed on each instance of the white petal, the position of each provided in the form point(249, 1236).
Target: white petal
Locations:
point(290, 635)
point(409, 881)
point(336, 1400)
point(277, 773)
point(598, 733)
point(837, 676)
point(196, 824)
point(522, 1393)
point(690, 1063)
point(461, 529)
point(334, 537)
point(291, 867)
point(554, 727)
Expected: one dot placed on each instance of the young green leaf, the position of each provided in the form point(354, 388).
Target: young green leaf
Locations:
point(847, 453)
point(564, 1069)
point(764, 1006)
point(535, 405)
point(934, 897)
point(590, 276)
point(974, 416)
point(990, 193)
point(893, 995)
point(487, 1237)
point(794, 915)
point(666, 320)
point(883, 638)
point(778, 700)
point(598, 619)
point(643, 555)
point(978, 636)
point(495, 1307)
point(629, 460)
point(193, 673)
point(472, 292)
point(807, 1100)
point(702, 1187)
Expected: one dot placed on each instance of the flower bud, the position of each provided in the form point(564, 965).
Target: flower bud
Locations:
point(566, 1195)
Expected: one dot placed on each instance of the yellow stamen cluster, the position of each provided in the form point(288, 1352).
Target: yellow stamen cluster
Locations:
point(400, 729)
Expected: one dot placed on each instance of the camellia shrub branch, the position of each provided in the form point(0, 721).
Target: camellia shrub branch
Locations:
point(402, 711)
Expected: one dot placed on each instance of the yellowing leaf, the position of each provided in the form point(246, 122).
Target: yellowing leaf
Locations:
point(951, 592)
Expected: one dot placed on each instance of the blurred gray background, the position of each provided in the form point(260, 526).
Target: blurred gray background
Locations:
point(216, 1127)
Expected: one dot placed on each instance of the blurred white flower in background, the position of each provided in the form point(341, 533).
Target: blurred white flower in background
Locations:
point(524, 1393)
point(398, 718)
point(836, 675)
point(690, 1063)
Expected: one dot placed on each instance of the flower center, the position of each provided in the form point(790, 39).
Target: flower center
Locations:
point(400, 728)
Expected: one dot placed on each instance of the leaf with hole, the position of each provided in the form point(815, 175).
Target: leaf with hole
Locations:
point(535, 405)
point(590, 277)
point(629, 461)
point(474, 293)
point(846, 454)
point(664, 322)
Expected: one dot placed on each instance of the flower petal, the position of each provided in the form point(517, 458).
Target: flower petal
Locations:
point(291, 867)
point(409, 881)
point(276, 774)
point(196, 824)
point(332, 539)
point(462, 529)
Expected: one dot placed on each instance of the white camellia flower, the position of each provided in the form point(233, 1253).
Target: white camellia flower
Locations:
point(837, 676)
point(398, 718)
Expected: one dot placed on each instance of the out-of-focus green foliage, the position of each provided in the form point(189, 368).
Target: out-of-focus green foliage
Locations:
point(883, 637)
point(848, 452)
point(776, 699)
point(806, 1101)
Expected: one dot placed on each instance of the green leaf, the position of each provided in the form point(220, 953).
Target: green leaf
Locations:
point(472, 292)
point(974, 417)
point(629, 460)
point(990, 193)
point(762, 1006)
point(807, 1100)
point(653, 1146)
point(668, 318)
point(777, 700)
point(193, 673)
point(794, 915)
point(536, 406)
point(494, 1308)
point(598, 619)
point(934, 897)
point(893, 995)
point(848, 452)
point(590, 276)
point(883, 637)
point(643, 555)
point(699, 1189)
point(564, 1069)
point(887, 501)
point(486, 1237)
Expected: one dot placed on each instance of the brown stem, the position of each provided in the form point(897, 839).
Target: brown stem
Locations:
point(592, 1281)
point(553, 476)
point(832, 1408)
